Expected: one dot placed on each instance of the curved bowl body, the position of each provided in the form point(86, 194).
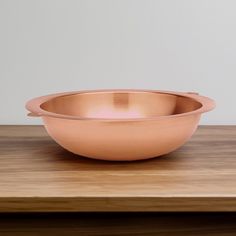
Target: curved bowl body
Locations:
point(120, 125)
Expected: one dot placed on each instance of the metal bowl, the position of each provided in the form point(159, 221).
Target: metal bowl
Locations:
point(120, 125)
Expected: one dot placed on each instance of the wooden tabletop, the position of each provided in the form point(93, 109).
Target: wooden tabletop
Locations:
point(37, 175)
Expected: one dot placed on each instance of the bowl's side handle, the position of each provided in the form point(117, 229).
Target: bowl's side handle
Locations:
point(208, 103)
point(31, 114)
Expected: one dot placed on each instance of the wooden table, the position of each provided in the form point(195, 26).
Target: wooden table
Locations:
point(37, 175)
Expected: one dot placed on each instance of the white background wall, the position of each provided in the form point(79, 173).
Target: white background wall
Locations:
point(49, 46)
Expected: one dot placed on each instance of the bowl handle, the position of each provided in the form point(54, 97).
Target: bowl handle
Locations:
point(31, 114)
point(195, 93)
point(208, 103)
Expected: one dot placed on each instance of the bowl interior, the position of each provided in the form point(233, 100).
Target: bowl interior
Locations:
point(120, 104)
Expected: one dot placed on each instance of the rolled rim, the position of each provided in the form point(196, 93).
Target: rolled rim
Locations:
point(34, 105)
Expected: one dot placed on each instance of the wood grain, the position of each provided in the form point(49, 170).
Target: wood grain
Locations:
point(37, 175)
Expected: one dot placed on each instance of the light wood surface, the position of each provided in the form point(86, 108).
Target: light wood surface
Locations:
point(37, 175)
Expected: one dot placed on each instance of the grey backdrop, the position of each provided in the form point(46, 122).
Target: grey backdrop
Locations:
point(49, 46)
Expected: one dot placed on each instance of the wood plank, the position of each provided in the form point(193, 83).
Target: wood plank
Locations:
point(38, 175)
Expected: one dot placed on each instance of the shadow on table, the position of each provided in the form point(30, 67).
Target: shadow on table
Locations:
point(75, 162)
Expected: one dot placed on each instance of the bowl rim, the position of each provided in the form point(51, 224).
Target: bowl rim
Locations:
point(34, 105)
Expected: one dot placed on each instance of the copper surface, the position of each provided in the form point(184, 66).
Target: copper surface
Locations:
point(120, 125)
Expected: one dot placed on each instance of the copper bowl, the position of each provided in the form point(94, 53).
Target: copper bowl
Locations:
point(120, 125)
